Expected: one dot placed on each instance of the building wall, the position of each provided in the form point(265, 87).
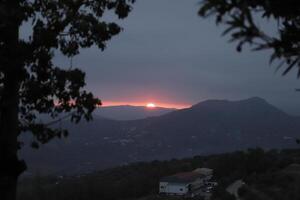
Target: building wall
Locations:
point(173, 188)
point(163, 187)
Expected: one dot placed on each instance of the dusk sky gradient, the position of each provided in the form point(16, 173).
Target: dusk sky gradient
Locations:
point(168, 55)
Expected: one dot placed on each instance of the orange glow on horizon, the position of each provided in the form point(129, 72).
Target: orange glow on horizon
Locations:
point(157, 104)
point(150, 105)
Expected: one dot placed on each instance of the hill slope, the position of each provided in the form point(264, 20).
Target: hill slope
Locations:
point(268, 172)
point(212, 126)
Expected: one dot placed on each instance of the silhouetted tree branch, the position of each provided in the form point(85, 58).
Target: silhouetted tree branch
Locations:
point(239, 18)
point(31, 84)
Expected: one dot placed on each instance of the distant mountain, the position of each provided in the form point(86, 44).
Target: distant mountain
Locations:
point(127, 112)
point(212, 126)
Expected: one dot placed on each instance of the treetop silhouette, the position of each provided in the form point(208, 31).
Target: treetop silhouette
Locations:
point(30, 83)
point(239, 18)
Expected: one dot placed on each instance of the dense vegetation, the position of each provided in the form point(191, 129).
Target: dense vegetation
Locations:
point(141, 179)
point(274, 184)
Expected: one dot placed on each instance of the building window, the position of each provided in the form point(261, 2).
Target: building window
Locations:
point(181, 189)
point(162, 187)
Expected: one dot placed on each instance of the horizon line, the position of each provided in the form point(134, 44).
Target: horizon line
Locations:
point(144, 104)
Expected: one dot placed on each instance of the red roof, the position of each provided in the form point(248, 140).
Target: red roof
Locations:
point(183, 177)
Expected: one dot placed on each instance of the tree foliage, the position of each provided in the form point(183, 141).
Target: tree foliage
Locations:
point(141, 180)
point(65, 26)
point(239, 18)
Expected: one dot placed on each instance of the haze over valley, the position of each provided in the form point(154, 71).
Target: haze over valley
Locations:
point(209, 127)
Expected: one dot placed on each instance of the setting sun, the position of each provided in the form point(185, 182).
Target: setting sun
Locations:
point(151, 105)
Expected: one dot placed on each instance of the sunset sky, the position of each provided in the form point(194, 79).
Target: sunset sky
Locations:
point(150, 104)
point(171, 57)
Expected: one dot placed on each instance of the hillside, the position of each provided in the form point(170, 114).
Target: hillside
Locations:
point(140, 180)
point(213, 126)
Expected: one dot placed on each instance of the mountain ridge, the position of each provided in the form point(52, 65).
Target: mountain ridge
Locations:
point(199, 130)
point(129, 112)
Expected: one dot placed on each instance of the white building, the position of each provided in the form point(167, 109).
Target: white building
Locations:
point(186, 183)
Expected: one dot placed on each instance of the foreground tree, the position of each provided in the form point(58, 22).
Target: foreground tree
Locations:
point(239, 17)
point(31, 84)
